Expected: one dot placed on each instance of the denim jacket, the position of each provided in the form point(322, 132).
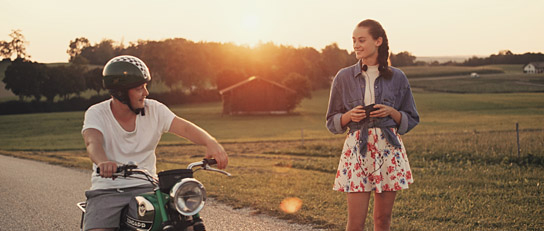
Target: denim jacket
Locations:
point(347, 92)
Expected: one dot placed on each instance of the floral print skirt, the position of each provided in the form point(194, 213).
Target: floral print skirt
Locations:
point(382, 168)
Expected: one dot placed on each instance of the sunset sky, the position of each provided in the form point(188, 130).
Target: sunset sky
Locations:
point(422, 27)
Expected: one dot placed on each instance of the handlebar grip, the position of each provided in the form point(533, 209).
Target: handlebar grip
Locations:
point(119, 169)
point(210, 161)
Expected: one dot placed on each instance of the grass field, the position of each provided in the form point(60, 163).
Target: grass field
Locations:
point(436, 71)
point(491, 83)
point(463, 155)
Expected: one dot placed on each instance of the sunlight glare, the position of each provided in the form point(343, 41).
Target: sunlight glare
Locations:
point(250, 22)
point(250, 30)
point(291, 204)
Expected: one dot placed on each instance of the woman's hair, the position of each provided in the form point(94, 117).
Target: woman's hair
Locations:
point(376, 30)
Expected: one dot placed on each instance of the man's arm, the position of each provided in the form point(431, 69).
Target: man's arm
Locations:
point(93, 142)
point(197, 135)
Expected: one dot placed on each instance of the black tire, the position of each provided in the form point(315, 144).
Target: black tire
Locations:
point(199, 227)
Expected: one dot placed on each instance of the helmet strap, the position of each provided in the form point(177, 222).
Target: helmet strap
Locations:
point(122, 96)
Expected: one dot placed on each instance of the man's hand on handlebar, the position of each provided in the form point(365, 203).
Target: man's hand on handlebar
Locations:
point(216, 151)
point(107, 169)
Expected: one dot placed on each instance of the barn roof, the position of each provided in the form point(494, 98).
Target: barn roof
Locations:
point(251, 79)
point(536, 64)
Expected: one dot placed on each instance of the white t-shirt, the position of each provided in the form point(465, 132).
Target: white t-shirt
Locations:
point(371, 74)
point(121, 146)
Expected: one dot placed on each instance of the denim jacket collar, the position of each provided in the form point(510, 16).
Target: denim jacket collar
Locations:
point(357, 70)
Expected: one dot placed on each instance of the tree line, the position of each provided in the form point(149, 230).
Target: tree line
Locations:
point(36, 80)
point(505, 57)
point(182, 65)
point(194, 67)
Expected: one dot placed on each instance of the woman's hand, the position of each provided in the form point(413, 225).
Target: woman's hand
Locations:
point(356, 114)
point(216, 151)
point(384, 111)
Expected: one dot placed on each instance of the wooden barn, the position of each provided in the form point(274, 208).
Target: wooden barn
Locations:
point(257, 96)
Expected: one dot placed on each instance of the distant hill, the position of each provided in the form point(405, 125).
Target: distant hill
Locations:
point(443, 59)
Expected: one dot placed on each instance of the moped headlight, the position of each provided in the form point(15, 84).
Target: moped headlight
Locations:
point(188, 196)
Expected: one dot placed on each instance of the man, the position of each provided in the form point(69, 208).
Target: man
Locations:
point(126, 128)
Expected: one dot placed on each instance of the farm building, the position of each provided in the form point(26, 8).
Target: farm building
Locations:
point(257, 96)
point(534, 67)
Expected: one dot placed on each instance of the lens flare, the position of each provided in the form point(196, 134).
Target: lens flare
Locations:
point(291, 204)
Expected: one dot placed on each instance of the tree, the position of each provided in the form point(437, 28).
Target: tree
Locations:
point(302, 86)
point(93, 79)
point(229, 77)
point(63, 81)
point(17, 44)
point(506, 52)
point(333, 59)
point(98, 54)
point(50, 87)
point(75, 49)
point(24, 78)
point(71, 80)
point(5, 50)
point(404, 58)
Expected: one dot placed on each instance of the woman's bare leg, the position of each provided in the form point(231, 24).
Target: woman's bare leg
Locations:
point(357, 210)
point(383, 208)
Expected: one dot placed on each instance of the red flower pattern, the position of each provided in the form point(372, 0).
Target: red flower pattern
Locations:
point(397, 186)
point(360, 170)
point(390, 169)
point(386, 187)
point(348, 153)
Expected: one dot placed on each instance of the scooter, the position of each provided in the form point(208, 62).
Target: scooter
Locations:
point(174, 204)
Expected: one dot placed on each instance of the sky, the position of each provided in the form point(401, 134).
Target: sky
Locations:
point(421, 27)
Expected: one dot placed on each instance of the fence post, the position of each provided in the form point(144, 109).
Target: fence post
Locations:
point(517, 135)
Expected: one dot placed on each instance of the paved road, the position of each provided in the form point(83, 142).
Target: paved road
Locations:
point(38, 196)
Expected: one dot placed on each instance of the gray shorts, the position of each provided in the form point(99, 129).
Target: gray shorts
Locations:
point(104, 206)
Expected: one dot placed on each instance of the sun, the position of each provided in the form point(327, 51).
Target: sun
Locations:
point(250, 29)
point(250, 22)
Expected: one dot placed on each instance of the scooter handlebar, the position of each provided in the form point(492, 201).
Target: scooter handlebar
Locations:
point(209, 161)
point(122, 168)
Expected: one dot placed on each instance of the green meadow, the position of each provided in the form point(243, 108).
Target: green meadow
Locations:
point(440, 113)
point(468, 175)
point(437, 71)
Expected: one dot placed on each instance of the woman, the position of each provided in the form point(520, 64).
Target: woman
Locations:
point(375, 102)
